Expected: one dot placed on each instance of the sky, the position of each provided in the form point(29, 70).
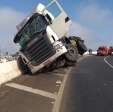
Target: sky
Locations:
point(91, 19)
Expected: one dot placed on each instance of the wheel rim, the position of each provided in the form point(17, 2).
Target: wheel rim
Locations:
point(72, 52)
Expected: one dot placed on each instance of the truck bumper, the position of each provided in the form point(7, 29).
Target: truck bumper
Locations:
point(62, 50)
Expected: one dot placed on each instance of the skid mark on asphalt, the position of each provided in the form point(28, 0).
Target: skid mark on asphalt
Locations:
point(110, 65)
point(31, 90)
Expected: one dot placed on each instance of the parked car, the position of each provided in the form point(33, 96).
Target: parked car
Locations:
point(102, 51)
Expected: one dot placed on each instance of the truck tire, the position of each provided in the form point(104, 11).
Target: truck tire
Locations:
point(22, 66)
point(81, 47)
point(72, 54)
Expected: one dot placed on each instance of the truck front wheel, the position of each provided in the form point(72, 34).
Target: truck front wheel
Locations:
point(72, 54)
point(22, 66)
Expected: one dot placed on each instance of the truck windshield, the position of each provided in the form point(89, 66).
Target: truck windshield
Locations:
point(54, 9)
point(36, 24)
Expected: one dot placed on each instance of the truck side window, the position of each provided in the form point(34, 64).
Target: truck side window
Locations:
point(54, 9)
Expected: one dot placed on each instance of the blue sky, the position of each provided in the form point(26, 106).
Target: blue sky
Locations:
point(92, 20)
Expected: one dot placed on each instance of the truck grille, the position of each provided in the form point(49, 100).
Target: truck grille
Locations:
point(39, 49)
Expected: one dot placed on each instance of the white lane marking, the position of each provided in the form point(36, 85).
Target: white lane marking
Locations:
point(58, 82)
point(57, 104)
point(31, 90)
point(56, 107)
point(110, 65)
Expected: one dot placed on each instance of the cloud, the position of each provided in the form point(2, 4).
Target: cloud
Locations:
point(94, 24)
point(9, 18)
point(78, 29)
point(96, 15)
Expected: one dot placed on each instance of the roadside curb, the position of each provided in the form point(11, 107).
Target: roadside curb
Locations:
point(105, 60)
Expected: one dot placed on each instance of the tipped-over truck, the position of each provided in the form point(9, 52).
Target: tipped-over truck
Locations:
point(42, 39)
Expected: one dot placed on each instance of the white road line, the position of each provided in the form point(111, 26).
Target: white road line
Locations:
point(56, 107)
point(57, 104)
point(110, 65)
point(31, 90)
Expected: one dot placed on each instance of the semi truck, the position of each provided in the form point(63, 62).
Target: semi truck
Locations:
point(42, 39)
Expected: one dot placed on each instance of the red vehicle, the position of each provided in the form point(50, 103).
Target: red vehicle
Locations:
point(110, 51)
point(102, 51)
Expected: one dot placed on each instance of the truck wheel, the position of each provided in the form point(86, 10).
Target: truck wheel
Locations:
point(72, 54)
point(81, 47)
point(23, 67)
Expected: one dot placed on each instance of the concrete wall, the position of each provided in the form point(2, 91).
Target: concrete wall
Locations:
point(8, 71)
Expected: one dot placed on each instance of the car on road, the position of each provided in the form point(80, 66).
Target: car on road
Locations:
point(102, 51)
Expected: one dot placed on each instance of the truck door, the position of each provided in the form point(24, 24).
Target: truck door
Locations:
point(60, 23)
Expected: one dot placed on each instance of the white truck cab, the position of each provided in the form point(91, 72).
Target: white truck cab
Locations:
point(42, 37)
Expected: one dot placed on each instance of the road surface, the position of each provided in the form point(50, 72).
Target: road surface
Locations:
point(87, 88)
point(41, 92)
point(90, 86)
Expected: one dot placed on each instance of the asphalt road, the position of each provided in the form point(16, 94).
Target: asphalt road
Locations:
point(90, 86)
point(41, 92)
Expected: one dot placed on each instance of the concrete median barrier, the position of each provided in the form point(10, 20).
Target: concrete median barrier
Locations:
point(8, 71)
